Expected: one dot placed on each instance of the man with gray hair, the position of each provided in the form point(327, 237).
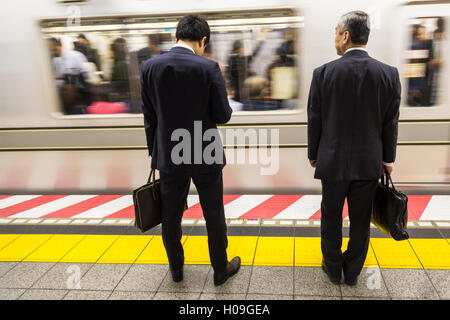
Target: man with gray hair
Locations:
point(353, 112)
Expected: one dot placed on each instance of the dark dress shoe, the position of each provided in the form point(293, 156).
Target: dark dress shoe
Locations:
point(232, 268)
point(335, 280)
point(177, 275)
point(351, 282)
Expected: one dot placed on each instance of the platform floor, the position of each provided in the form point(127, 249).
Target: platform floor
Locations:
point(279, 261)
point(48, 280)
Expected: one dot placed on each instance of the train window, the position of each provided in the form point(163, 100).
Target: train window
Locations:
point(425, 59)
point(96, 64)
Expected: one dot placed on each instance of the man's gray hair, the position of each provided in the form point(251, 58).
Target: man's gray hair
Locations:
point(357, 23)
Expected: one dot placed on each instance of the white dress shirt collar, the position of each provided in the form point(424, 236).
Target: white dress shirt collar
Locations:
point(355, 48)
point(183, 45)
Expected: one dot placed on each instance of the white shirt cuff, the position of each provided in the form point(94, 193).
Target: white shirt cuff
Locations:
point(388, 164)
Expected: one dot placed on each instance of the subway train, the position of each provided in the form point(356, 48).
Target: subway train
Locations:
point(65, 130)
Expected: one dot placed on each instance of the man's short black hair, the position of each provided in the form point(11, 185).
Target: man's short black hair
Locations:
point(357, 23)
point(237, 44)
point(193, 28)
point(55, 41)
point(154, 39)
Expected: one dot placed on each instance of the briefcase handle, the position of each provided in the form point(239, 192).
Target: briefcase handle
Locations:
point(152, 178)
point(388, 179)
point(152, 174)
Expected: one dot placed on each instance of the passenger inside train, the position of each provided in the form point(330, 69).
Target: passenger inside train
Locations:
point(258, 61)
point(151, 50)
point(71, 77)
point(425, 62)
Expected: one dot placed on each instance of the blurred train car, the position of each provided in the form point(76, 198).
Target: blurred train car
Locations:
point(70, 116)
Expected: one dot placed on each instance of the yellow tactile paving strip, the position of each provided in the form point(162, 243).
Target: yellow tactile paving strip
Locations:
point(279, 249)
point(259, 251)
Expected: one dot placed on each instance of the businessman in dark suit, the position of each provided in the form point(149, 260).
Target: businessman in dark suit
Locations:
point(353, 112)
point(184, 97)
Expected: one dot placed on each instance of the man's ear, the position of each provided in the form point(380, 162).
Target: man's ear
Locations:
point(346, 36)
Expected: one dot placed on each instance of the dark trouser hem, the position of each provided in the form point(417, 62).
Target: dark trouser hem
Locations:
point(360, 195)
point(174, 191)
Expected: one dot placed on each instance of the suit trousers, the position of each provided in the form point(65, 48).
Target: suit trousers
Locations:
point(360, 195)
point(174, 188)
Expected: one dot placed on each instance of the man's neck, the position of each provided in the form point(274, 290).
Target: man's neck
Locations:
point(356, 47)
point(189, 44)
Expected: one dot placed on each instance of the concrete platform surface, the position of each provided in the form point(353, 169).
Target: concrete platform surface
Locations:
point(81, 281)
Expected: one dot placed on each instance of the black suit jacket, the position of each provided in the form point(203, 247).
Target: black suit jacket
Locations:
point(353, 111)
point(179, 88)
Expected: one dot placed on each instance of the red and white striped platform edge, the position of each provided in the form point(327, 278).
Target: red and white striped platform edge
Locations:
point(266, 206)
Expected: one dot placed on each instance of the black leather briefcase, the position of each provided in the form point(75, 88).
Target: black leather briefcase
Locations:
point(390, 210)
point(147, 204)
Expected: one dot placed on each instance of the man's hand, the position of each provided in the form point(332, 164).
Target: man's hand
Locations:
point(388, 169)
point(313, 163)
